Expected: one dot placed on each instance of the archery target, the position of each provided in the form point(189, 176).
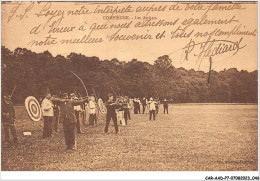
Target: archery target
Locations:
point(101, 106)
point(33, 108)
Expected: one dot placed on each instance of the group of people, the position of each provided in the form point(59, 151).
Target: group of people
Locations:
point(152, 105)
point(70, 111)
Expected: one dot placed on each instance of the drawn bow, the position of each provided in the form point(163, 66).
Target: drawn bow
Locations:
point(81, 82)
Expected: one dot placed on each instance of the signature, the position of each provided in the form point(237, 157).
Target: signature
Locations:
point(210, 48)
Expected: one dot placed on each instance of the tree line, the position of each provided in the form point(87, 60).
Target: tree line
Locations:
point(34, 74)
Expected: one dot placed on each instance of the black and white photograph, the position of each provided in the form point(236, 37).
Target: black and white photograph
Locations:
point(129, 86)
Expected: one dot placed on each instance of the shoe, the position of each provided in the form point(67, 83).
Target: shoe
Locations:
point(73, 148)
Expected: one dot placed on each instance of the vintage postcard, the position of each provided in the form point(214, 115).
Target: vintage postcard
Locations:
point(129, 86)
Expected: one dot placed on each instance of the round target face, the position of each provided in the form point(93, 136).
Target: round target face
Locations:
point(101, 106)
point(33, 108)
point(103, 110)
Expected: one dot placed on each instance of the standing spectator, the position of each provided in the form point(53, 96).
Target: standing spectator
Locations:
point(165, 106)
point(83, 114)
point(92, 111)
point(56, 117)
point(47, 112)
point(120, 111)
point(131, 105)
point(101, 106)
point(157, 104)
point(144, 103)
point(127, 109)
point(138, 106)
point(152, 108)
point(8, 118)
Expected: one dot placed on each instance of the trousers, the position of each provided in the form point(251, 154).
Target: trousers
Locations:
point(79, 124)
point(11, 127)
point(152, 112)
point(47, 126)
point(108, 118)
point(92, 119)
point(56, 121)
point(126, 115)
point(165, 109)
point(144, 109)
point(69, 134)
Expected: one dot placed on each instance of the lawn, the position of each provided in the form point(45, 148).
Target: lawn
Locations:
point(192, 137)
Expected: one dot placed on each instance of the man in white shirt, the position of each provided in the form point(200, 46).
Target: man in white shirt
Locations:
point(47, 112)
point(152, 108)
point(92, 111)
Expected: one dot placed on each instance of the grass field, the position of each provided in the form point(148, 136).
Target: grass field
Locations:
point(192, 137)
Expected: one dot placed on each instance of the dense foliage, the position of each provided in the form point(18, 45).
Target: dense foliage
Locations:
point(35, 73)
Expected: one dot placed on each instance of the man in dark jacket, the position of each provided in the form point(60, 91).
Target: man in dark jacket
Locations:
point(56, 117)
point(67, 116)
point(8, 118)
point(144, 104)
point(111, 113)
point(165, 106)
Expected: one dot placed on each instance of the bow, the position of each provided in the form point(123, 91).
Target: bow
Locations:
point(81, 82)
